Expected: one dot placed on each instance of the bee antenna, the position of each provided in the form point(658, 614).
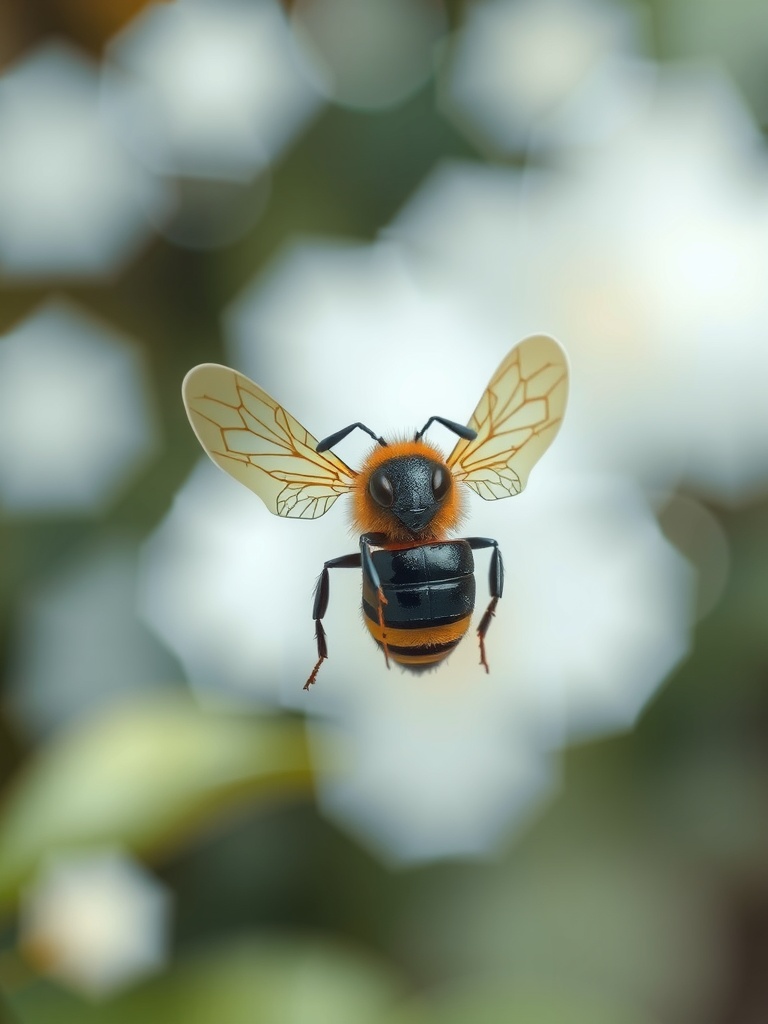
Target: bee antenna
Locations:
point(466, 432)
point(333, 439)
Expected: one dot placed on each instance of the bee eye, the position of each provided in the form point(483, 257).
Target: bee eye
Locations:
point(441, 482)
point(381, 490)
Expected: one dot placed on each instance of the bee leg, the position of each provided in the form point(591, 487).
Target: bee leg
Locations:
point(482, 629)
point(495, 585)
point(322, 594)
point(365, 550)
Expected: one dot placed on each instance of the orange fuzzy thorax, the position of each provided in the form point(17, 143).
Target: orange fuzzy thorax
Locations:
point(368, 517)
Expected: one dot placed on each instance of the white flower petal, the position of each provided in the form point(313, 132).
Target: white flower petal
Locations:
point(73, 203)
point(75, 420)
point(516, 61)
point(95, 921)
point(208, 88)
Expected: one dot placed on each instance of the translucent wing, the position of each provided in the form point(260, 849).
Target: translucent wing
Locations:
point(257, 442)
point(516, 420)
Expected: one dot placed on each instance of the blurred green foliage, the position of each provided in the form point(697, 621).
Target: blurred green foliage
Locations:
point(140, 776)
point(239, 982)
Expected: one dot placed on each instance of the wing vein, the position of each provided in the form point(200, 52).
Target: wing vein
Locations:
point(516, 419)
point(292, 478)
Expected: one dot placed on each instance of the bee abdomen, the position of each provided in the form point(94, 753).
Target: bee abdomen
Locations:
point(430, 594)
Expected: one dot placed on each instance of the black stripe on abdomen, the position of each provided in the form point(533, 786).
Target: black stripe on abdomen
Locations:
point(406, 623)
point(421, 649)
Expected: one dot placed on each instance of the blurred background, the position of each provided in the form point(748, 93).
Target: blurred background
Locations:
point(363, 205)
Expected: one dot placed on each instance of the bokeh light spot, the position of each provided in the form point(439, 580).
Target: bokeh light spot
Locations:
point(75, 419)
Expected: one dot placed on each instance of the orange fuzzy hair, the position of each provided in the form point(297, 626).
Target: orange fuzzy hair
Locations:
point(368, 517)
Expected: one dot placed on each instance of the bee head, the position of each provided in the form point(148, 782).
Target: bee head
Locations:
point(406, 491)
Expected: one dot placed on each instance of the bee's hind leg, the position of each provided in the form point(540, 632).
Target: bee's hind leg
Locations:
point(495, 585)
point(322, 594)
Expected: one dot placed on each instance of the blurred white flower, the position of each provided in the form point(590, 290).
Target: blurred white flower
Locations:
point(96, 921)
point(208, 88)
point(604, 606)
point(229, 593)
point(596, 609)
point(75, 421)
point(369, 54)
point(515, 61)
point(73, 203)
point(78, 645)
point(364, 330)
point(435, 768)
point(645, 250)
point(596, 612)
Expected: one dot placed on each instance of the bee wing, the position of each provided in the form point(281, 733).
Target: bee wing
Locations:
point(516, 419)
point(254, 439)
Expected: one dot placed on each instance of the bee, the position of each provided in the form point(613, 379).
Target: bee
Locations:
point(418, 584)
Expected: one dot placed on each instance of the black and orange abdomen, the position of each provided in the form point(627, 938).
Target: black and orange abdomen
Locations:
point(430, 596)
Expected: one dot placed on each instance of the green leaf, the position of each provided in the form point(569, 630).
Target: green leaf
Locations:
point(143, 776)
point(276, 981)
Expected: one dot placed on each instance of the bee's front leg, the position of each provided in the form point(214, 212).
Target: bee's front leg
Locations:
point(322, 595)
point(370, 570)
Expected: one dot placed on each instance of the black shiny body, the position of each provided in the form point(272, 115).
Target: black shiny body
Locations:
point(428, 595)
point(417, 599)
point(424, 585)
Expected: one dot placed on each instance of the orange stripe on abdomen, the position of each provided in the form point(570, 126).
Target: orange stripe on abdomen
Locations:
point(418, 636)
point(419, 645)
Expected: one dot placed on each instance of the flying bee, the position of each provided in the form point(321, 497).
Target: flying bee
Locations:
point(418, 583)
